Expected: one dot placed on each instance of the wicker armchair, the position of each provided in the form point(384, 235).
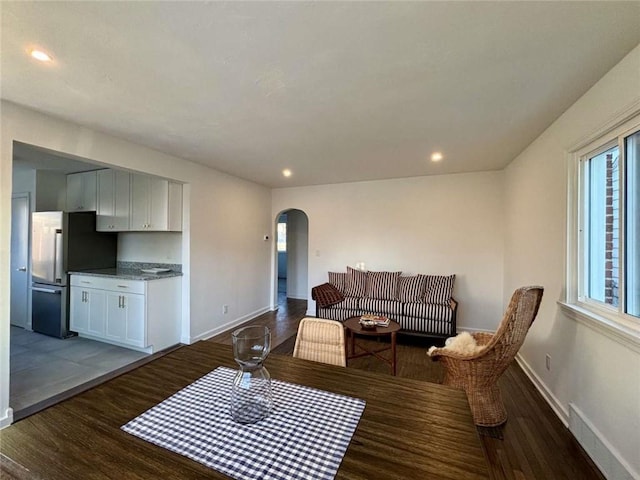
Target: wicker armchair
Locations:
point(478, 374)
point(321, 340)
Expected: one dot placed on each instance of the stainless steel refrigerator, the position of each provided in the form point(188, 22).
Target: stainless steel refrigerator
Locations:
point(63, 242)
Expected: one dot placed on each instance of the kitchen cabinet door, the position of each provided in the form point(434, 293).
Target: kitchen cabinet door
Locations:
point(87, 314)
point(156, 204)
point(125, 321)
point(113, 208)
point(96, 302)
point(79, 311)
point(82, 191)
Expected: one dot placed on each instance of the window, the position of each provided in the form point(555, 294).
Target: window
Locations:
point(282, 237)
point(604, 228)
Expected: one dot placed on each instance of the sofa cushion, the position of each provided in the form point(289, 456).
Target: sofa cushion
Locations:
point(436, 327)
point(340, 314)
point(337, 279)
point(411, 289)
point(355, 283)
point(428, 310)
point(392, 308)
point(349, 303)
point(382, 285)
point(438, 289)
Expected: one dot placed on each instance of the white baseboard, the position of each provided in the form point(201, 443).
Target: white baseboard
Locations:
point(603, 454)
point(226, 326)
point(7, 418)
point(296, 297)
point(550, 398)
point(473, 330)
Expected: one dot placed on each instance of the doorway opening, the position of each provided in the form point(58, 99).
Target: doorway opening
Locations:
point(292, 258)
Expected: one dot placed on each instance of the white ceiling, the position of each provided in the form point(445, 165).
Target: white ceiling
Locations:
point(335, 91)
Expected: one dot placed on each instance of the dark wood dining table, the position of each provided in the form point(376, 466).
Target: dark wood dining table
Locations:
point(409, 429)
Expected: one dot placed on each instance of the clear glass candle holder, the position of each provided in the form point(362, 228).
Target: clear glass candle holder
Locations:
point(251, 395)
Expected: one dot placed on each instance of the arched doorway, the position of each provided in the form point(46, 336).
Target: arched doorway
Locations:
point(291, 258)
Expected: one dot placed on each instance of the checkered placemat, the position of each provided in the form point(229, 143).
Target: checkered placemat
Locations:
point(305, 437)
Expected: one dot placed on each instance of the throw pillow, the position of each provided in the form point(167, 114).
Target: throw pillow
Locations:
point(337, 279)
point(382, 285)
point(355, 283)
point(439, 289)
point(411, 289)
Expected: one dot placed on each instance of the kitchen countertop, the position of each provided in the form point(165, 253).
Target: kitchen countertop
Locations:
point(126, 273)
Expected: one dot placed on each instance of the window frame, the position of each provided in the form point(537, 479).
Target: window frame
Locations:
point(611, 320)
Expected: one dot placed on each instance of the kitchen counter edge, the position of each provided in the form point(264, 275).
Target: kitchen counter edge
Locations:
point(126, 275)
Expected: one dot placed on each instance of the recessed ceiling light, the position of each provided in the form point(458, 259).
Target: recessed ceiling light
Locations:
point(286, 172)
point(436, 156)
point(40, 55)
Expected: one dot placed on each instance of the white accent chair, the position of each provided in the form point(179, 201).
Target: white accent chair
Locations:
point(321, 341)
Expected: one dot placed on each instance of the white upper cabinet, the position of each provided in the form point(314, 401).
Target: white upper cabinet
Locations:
point(113, 201)
point(156, 204)
point(82, 192)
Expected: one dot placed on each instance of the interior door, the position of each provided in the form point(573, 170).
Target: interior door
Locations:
point(19, 260)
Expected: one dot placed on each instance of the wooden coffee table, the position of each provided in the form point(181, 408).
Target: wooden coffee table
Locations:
point(354, 328)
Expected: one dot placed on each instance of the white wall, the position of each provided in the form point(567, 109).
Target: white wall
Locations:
point(150, 247)
point(24, 181)
point(46, 189)
point(51, 189)
point(435, 225)
point(297, 254)
point(224, 256)
point(600, 376)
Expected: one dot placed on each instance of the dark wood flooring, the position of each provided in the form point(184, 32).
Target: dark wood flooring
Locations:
point(532, 445)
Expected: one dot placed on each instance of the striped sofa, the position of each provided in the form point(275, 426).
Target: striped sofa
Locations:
point(421, 304)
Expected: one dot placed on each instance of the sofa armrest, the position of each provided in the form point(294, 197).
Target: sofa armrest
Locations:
point(453, 303)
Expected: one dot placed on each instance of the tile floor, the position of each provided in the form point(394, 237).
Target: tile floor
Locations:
point(43, 367)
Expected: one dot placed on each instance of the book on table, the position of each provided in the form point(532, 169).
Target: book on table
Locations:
point(379, 320)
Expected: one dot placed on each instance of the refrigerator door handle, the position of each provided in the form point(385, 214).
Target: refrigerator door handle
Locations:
point(57, 265)
point(47, 290)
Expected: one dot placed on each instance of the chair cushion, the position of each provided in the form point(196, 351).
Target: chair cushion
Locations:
point(337, 279)
point(355, 283)
point(438, 289)
point(382, 285)
point(411, 289)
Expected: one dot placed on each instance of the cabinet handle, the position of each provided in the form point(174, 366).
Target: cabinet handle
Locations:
point(83, 281)
point(123, 286)
point(123, 305)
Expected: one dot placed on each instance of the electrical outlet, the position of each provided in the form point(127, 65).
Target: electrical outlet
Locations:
point(547, 359)
point(225, 309)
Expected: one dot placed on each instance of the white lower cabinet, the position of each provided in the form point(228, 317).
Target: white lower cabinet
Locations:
point(87, 310)
point(144, 315)
point(125, 320)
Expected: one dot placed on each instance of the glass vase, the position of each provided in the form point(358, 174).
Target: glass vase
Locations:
point(251, 395)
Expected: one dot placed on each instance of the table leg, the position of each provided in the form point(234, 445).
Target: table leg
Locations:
point(393, 353)
point(346, 346)
point(353, 342)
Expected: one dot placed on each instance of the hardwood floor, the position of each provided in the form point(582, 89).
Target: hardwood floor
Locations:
point(535, 445)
